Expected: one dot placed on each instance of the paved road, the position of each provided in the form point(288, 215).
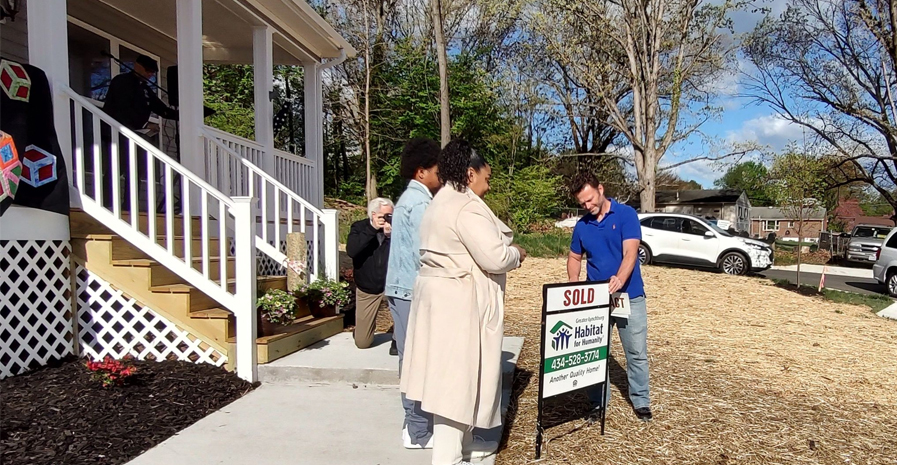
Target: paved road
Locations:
point(841, 283)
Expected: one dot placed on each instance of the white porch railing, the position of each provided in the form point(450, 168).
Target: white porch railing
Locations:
point(103, 150)
point(281, 210)
point(294, 172)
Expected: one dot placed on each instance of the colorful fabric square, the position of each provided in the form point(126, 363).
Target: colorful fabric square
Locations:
point(39, 166)
point(10, 167)
point(7, 150)
point(9, 181)
point(15, 81)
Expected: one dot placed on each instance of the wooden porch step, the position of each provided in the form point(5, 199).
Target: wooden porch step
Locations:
point(263, 282)
point(122, 249)
point(161, 275)
point(299, 335)
point(212, 314)
point(81, 223)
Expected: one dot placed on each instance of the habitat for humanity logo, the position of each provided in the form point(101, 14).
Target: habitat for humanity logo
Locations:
point(562, 332)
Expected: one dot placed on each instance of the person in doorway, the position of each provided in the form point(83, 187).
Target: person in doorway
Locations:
point(130, 100)
point(610, 235)
point(368, 247)
point(452, 360)
point(419, 167)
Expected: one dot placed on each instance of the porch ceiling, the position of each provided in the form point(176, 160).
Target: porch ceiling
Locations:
point(227, 28)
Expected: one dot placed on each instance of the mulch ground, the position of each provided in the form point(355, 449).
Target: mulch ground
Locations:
point(741, 372)
point(58, 415)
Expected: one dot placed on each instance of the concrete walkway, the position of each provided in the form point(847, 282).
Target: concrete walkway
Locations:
point(319, 406)
point(889, 312)
point(829, 270)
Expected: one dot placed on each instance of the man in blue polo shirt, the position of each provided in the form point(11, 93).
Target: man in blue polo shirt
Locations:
point(609, 236)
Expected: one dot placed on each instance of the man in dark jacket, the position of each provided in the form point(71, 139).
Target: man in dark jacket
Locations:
point(130, 100)
point(368, 246)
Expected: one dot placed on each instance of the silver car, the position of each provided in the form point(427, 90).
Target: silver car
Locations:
point(885, 268)
point(865, 242)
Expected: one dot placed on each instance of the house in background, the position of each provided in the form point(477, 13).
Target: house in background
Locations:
point(766, 220)
point(728, 205)
point(848, 214)
point(123, 271)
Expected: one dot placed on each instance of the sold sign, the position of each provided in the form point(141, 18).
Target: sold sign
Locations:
point(576, 296)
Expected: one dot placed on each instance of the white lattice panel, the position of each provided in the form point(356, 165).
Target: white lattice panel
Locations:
point(111, 323)
point(35, 304)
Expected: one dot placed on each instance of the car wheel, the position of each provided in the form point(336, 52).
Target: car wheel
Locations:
point(892, 283)
point(644, 255)
point(733, 263)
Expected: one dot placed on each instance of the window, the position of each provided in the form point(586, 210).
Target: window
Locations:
point(770, 225)
point(667, 223)
point(791, 224)
point(90, 68)
point(871, 231)
point(892, 242)
point(693, 227)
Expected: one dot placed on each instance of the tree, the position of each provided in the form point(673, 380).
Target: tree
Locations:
point(669, 181)
point(828, 66)
point(445, 123)
point(668, 50)
point(798, 181)
point(752, 178)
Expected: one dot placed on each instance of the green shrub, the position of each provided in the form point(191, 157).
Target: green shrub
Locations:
point(532, 195)
point(545, 245)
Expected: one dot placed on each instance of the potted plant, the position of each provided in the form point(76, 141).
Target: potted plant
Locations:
point(276, 308)
point(324, 296)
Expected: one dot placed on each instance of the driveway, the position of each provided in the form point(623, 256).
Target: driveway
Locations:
point(841, 283)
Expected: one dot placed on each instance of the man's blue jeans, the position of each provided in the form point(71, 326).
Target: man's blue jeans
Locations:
point(634, 338)
point(419, 423)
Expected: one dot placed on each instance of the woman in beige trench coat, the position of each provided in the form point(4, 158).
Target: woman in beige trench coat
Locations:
point(452, 359)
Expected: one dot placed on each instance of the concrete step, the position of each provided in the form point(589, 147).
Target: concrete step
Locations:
point(337, 360)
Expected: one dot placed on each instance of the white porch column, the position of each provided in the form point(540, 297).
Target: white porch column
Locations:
point(189, 29)
point(263, 75)
point(48, 49)
point(314, 128)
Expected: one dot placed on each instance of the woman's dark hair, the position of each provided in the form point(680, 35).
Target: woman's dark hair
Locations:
point(420, 152)
point(454, 160)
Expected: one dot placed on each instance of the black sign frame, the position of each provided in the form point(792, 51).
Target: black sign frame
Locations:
point(604, 386)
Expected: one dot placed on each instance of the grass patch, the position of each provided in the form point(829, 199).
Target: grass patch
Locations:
point(786, 258)
point(876, 303)
point(545, 245)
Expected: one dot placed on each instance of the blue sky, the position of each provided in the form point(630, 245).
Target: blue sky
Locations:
point(741, 121)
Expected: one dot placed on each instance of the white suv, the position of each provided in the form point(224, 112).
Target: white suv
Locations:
point(885, 267)
point(688, 240)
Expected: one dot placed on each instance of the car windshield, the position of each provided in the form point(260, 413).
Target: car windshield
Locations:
point(719, 230)
point(879, 233)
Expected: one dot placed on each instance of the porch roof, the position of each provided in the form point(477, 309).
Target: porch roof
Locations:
point(301, 35)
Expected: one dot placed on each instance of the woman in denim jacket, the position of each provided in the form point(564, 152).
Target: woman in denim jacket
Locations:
point(419, 167)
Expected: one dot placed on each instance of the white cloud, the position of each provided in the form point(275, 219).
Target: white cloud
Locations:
point(770, 130)
point(702, 171)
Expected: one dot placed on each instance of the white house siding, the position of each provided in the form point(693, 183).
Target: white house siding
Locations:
point(14, 37)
